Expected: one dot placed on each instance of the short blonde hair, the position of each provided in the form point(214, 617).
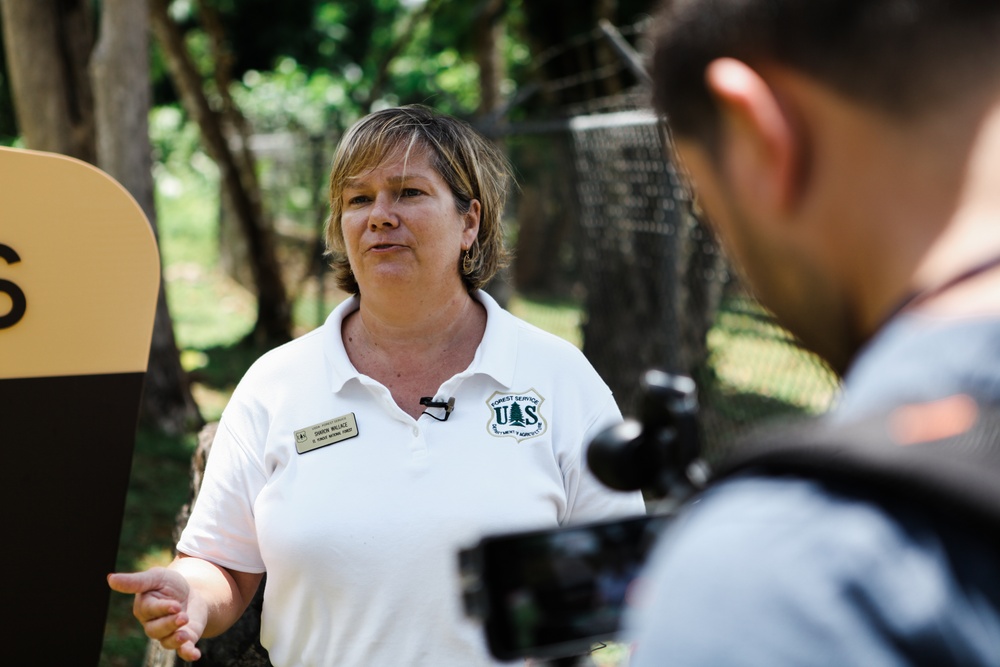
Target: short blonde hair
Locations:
point(472, 166)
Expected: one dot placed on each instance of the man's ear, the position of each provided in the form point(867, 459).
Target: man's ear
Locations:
point(760, 149)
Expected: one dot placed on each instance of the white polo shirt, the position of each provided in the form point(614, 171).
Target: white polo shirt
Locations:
point(356, 510)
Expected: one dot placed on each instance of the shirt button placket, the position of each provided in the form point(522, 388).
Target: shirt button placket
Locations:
point(418, 445)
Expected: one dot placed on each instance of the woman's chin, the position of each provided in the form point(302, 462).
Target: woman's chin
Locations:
point(387, 277)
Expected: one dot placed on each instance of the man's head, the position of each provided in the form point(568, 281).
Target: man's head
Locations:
point(901, 56)
point(828, 140)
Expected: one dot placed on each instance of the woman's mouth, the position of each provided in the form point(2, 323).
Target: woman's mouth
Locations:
point(384, 247)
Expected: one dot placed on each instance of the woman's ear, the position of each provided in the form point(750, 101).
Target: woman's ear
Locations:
point(472, 218)
point(760, 148)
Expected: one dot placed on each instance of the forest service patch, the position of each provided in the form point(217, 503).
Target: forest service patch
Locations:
point(516, 414)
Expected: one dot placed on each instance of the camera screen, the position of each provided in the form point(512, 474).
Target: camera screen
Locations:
point(558, 592)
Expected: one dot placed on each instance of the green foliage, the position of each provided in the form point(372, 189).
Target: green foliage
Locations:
point(312, 66)
point(206, 308)
point(158, 488)
point(8, 122)
point(187, 190)
point(290, 98)
point(443, 80)
point(316, 99)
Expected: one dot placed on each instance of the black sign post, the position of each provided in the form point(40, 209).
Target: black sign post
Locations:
point(79, 275)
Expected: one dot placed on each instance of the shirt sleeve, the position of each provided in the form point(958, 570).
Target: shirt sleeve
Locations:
point(222, 528)
point(589, 499)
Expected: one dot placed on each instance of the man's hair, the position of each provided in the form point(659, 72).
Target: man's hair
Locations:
point(471, 165)
point(900, 56)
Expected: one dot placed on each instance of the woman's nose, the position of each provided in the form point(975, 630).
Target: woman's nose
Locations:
point(383, 212)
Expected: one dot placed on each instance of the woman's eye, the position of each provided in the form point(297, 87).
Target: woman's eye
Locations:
point(411, 192)
point(357, 200)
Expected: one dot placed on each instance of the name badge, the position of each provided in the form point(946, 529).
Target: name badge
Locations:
point(326, 433)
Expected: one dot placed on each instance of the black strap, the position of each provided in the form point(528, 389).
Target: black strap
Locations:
point(958, 474)
point(920, 296)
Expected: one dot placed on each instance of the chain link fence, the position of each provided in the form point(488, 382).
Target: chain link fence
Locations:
point(606, 222)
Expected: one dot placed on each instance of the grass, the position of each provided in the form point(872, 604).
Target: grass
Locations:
point(558, 317)
point(750, 354)
point(157, 490)
point(755, 372)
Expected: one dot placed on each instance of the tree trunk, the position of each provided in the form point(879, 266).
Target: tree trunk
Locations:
point(488, 28)
point(51, 59)
point(48, 44)
point(274, 321)
point(489, 55)
point(603, 53)
point(122, 98)
point(239, 646)
point(234, 251)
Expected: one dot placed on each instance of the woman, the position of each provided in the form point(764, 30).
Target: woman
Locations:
point(353, 463)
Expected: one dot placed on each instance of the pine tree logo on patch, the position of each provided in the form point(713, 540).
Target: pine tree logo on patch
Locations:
point(518, 415)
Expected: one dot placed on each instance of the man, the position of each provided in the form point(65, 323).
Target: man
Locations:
point(848, 154)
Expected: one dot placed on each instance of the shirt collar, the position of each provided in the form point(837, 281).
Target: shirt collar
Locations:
point(496, 355)
point(341, 368)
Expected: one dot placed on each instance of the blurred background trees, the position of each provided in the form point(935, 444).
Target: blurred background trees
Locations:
point(296, 72)
point(235, 107)
point(85, 93)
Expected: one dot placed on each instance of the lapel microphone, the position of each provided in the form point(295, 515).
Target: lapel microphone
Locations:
point(447, 406)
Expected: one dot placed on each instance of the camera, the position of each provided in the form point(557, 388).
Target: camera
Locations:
point(554, 594)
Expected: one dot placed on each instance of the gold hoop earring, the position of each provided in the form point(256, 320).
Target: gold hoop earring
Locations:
point(470, 260)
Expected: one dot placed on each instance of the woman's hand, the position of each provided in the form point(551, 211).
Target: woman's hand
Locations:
point(165, 606)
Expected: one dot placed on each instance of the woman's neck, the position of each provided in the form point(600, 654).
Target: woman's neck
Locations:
point(412, 351)
point(415, 322)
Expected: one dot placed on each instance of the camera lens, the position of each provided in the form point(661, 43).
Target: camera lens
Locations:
point(615, 456)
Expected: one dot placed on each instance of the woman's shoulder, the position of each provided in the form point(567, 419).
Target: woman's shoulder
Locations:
point(534, 341)
point(543, 359)
point(507, 324)
point(280, 361)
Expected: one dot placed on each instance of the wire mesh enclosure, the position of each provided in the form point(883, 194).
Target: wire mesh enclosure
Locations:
point(639, 243)
point(605, 221)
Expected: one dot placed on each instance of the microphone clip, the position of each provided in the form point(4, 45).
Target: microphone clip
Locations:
point(447, 406)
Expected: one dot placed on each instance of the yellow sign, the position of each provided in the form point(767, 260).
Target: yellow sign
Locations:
point(79, 277)
point(78, 263)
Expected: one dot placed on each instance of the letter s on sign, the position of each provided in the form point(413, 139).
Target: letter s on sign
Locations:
point(18, 303)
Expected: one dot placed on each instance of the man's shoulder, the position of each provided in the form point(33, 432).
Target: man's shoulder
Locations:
point(777, 559)
point(804, 520)
point(917, 357)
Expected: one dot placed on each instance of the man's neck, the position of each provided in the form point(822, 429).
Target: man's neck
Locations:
point(941, 211)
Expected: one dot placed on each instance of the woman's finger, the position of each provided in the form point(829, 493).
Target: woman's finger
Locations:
point(147, 608)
